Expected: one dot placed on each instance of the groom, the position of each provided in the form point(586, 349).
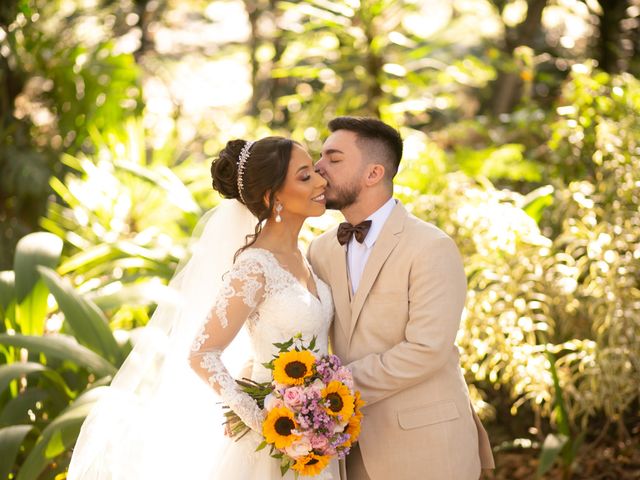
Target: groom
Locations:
point(399, 289)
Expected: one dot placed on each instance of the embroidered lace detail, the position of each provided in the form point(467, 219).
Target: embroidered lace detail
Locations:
point(241, 403)
point(244, 272)
point(200, 339)
point(260, 293)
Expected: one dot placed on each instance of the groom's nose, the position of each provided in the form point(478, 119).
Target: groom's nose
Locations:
point(319, 167)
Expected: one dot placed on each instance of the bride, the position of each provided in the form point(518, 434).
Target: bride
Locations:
point(246, 286)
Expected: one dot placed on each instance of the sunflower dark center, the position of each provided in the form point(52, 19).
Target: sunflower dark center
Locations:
point(313, 461)
point(295, 369)
point(283, 426)
point(335, 402)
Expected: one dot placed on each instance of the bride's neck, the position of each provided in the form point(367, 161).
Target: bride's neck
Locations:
point(279, 237)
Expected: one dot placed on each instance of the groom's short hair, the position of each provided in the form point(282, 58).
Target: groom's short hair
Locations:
point(380, 141)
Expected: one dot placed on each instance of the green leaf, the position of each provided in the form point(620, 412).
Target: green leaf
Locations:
point(88, 323)
point(7, 289)
point(144, 294)
point(262, 445)
point(16, 410)
point(10, 440)
point(31, 313)
point(551, 448)
point(33, 250)
point(163, 177)
point(16, 370)
point(57, 437)
point(537, 201)
point(62, 347)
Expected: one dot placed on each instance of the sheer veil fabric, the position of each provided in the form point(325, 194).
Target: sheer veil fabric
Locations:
point(158, 419)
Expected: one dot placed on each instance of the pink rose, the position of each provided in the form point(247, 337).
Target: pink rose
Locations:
point(299, 448)
point(344, 375)
point(293, 397)
point(319, 442)
point(271, 402)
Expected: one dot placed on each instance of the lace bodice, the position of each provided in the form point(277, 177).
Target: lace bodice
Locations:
point(275, 306)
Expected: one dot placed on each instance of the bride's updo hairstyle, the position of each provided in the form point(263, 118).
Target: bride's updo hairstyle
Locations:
point(264, 171)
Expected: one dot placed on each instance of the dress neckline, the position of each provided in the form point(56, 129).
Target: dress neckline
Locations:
point(291, 275)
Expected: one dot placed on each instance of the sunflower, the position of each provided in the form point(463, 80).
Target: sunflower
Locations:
point(353, 429)
point(311, 464)
point(359, 403)
point(339, 399)
point(291, 368)
point(278, 427)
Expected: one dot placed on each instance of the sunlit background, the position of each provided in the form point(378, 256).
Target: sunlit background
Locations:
point(521, 122)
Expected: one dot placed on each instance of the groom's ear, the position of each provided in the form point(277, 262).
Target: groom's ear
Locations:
point(375, 174)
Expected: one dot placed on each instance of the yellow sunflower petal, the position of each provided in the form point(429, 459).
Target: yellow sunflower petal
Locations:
point(311, 464)
point(291, 368)
point(353, 429)
point(340, 401)
point(278, 427)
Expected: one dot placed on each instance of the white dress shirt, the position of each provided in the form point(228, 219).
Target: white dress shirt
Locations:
point(358, 253)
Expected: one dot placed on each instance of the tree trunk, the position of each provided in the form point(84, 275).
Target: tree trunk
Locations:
point(508, 86)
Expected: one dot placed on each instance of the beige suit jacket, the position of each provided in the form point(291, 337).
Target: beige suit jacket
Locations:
point(398, 334)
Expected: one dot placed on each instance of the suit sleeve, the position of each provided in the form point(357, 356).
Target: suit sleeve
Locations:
point(437, 291)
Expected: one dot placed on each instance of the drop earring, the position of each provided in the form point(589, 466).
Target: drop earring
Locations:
point(278, 210)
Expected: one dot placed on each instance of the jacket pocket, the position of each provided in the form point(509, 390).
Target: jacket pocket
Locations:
point(431, 414)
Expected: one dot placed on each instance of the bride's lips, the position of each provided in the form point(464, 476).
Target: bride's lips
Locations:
point(319, 199)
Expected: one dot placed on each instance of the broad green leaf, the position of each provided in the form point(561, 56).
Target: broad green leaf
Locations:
point(62, 347)
point(40, 248)
point(537, 201)
point(57, 437)
point(86, 320)
point(16, 370)
point(550, 452)
point(16, 409)
point(10, 440)
point(177, 192)
point(138, 294)
point(7, 288)
point(31, 313)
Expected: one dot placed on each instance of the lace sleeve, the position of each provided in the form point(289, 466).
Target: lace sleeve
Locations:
point(241, 292)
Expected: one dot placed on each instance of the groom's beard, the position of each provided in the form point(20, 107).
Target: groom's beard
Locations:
point(343, 197)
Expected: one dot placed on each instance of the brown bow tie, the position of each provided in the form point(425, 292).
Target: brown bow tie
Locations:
point(346, 231)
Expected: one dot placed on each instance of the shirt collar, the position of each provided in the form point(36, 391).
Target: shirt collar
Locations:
point(378, 219)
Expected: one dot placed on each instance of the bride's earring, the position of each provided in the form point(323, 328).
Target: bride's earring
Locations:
point(278, 210)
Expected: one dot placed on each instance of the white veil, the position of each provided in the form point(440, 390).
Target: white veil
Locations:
point(158, 419)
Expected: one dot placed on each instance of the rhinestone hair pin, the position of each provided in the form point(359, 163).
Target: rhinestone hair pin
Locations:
point(242, 162)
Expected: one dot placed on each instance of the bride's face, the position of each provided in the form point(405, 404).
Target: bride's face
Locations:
point(302, 194)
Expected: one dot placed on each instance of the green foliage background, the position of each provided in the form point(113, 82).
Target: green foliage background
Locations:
point(522, 142)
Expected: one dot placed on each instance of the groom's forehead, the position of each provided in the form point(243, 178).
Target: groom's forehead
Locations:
point(339, 141)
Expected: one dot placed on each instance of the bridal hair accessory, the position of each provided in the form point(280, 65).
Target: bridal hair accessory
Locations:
point(278, 210)
point(242, 162)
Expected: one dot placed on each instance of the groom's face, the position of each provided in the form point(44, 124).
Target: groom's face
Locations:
point(342, 166)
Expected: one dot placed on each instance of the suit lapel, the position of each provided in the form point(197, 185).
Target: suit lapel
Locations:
point(340, 284)
point(386, 242)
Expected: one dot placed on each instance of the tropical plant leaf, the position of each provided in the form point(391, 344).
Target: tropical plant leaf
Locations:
point(62, 347)
point(7, 289)
point(40, 248)
point(31, 312)
point(57, 437)
point(88, 323)
point(10, 440)
point(16, 410)
point(16, 370)
point(551, 449)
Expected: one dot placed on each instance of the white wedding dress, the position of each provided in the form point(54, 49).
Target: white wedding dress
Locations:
point(274, 306)
point(159, 419)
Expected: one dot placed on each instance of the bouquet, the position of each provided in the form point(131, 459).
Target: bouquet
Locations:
point(313, 413)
